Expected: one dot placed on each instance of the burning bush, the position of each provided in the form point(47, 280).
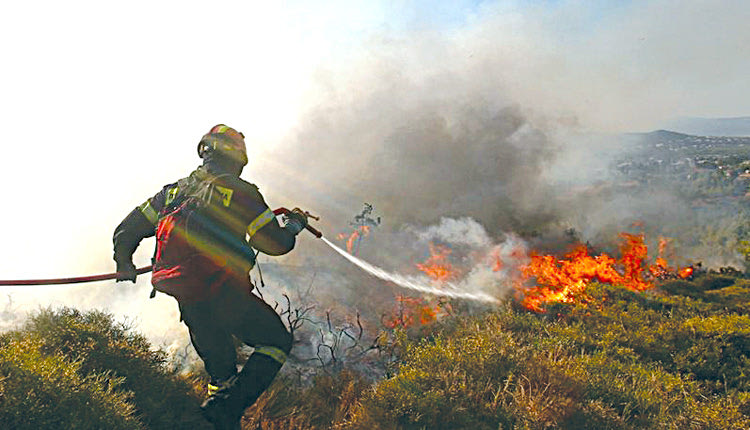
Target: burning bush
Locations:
point(565, 279)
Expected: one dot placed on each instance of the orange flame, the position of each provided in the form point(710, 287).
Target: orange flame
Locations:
point(352, 238)
point(497, 262)
point(437, 266)
point(565, 280)
point(634, 252)
point(686, 272)
point(411, 311)
point(660, 269)
point(663, 243)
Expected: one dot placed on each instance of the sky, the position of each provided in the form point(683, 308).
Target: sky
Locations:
point(102, 103)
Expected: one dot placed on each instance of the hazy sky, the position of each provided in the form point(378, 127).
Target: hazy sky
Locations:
point(101, 103)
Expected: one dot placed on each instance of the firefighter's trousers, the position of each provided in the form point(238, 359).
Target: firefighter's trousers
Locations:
point(232, 311)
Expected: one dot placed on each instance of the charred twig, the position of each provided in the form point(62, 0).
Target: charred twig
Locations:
point(331, 348)
point(359, 324)
point(294, 318)
point(354, 339)
point(332, 338)
point(299, 318)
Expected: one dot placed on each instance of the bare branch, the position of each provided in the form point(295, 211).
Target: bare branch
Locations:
point(359, 324)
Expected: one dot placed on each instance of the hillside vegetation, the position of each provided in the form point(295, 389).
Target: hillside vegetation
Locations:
point(673, 359)
point(623, 361)
point(677, 358)
point(70, 370)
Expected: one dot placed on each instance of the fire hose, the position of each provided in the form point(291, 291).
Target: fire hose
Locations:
point(139, 271)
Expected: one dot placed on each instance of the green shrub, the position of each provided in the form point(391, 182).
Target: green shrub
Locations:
point(46, 391)
point(680, 334)
point(330, 399)
point(101, 350)
point(718, 292)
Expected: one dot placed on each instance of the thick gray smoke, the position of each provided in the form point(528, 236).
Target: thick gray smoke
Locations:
point(424, 145)
point(417, 165)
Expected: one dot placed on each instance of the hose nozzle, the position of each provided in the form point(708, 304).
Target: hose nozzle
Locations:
point(315, 232)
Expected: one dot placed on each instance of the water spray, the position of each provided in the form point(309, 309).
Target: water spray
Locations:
point(411, 282)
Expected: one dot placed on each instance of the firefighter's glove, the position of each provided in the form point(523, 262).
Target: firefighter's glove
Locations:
point(296, 221)
point(125, 271)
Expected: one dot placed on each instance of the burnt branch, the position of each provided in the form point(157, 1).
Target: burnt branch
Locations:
point(331, 348)
point(296, 317)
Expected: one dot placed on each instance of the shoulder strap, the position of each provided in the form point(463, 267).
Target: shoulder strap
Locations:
point(198, 186)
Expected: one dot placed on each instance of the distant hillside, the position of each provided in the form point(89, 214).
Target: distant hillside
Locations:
point(674, 140)
point(711, 126)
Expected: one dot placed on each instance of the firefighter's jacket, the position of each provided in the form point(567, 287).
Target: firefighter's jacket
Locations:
point(198, 251)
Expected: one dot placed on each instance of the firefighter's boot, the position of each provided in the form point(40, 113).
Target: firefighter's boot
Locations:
point(256, 376)
point(226, 407)
point(217, 408)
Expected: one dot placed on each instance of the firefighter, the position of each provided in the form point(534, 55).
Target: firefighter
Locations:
point(207, 226)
